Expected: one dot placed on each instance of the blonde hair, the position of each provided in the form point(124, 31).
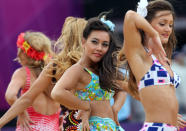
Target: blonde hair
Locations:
point(39, 42)
point(70, 40)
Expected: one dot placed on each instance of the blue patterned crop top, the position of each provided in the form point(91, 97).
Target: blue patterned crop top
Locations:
point(93, 91)
point(158, 75)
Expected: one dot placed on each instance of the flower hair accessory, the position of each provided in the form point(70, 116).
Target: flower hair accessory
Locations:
point(31, 52)
point(142, 8)
point(108, 23)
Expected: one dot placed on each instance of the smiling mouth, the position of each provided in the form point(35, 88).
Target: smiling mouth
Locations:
point(165, 36)
point(97, 55)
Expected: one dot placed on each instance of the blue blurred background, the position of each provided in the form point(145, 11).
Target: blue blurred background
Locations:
point(48, 17)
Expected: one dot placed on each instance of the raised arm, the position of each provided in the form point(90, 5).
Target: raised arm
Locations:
point(133, 40)
point(132, 24)
point(27, 99)
point(64, 88)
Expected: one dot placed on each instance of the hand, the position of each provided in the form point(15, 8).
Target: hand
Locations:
point(84, 116)
point(155, 47)
point(61, 118)
point(0, 127)
point(121, 55)
point(24, 121)
point(115, 112)
point(180, 122)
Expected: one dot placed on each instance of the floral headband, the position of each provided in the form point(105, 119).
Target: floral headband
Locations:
point(108, 23)
point(142, 8)
point(31, 52)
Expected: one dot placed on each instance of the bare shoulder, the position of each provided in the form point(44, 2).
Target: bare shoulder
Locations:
point(73, 75)
point(75, 69)
point(71, 78)
point(20, 72)
point(18, 78)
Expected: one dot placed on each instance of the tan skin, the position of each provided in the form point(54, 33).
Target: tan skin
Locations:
point(38, 96)
point(162, 106)
point(41, 87)
point(40, 103)
point(95, 47)
point(18, 81)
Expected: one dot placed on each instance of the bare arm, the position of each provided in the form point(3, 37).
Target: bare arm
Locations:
point(132, 24)
point(27, 99)
point(62, 92)
point(119, 100)
point(17, 82)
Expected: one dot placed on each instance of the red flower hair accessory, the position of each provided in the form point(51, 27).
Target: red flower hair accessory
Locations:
point(31, 52)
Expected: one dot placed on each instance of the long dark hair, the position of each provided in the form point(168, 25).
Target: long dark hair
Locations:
point(163, 5)
point(152, 8)
point(107, 66)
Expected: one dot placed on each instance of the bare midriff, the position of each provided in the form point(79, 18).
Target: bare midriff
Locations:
point(160, 104)
point(101, 109)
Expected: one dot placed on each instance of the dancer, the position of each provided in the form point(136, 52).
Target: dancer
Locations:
point(34, 49)
point(152, 78)
point(90, 84)
point(70, 53)
point(72, 50)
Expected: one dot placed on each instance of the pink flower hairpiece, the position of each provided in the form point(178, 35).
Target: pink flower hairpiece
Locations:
point(31, 52)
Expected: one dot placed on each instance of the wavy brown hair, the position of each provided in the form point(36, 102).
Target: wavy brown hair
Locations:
point(153, 7)
point(107, 67)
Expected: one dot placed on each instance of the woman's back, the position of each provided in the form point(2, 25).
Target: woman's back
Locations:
point(43, 103)
point(43, 111)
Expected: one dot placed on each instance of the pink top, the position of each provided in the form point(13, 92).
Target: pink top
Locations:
point(40, 122)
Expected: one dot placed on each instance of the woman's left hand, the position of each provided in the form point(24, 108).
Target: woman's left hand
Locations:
point(24, 121)
point(180, 122)
point(155, 47)
point(84, 116)
point(61, 122)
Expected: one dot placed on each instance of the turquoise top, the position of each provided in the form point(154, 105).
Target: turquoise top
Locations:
point(93, 91)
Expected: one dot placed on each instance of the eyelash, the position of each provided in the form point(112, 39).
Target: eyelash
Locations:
point(95, 42)
point(164, 24)
point(161, 24)
point(105, 44)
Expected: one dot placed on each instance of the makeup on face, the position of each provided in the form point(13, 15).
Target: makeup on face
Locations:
point(97, 44)
point(163, 24)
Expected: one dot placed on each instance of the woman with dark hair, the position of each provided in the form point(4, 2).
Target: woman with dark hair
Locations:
point(90, 84)
point(152, 79)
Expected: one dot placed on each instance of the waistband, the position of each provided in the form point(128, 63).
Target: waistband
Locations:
point(161, 126)
point(109, 120)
